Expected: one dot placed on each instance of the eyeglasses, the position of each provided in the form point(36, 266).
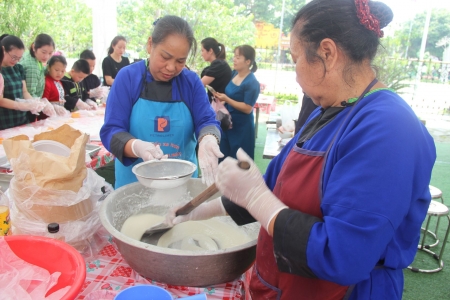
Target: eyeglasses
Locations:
point(13, 57)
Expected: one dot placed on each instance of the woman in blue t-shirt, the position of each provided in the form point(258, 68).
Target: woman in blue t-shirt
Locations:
point(240, 96)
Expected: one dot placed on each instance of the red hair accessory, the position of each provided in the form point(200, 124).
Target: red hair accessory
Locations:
point(366, 18)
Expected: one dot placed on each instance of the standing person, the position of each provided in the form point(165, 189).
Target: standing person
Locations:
point(157, 107)
point(218, 74)
point(12, 112)
point(54, 90)
point(34, 63)
point(91, 81)
point(240, 96)
point(114, 61)
point(342, 205)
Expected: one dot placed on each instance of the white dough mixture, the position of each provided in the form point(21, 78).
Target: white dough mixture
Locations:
point(192, 235)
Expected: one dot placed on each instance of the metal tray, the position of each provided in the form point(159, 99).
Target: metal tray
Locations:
point(92, 149)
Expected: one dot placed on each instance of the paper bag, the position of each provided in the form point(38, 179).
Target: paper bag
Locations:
point(47, 186)
point(51, 171)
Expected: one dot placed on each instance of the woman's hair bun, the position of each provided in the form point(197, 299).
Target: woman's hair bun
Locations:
point(382, 12)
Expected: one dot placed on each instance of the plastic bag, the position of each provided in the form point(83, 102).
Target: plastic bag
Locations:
point(222, 115)
point(61, 111)
point(48, 109)
point(288, 115)
point(38, 107)
point(22, 280)
point(100, 92)
point(80, 233)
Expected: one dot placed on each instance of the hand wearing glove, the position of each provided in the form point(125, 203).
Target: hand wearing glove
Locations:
point(60, 110)
point(208, 158)
point(248, 189)
point(82, 105)
point(92, 104)
point(147, 150)
point(204, 211)
point(35, 107)
point(48, 108)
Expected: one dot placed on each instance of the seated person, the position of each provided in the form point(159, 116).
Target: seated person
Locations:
point(91, 81)
point(53, 89)
point(73, 89)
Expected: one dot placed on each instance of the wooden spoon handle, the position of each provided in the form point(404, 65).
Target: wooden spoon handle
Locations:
point(206, 194)
point(199, 199)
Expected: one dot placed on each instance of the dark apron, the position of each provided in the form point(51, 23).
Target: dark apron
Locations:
point(301, 174)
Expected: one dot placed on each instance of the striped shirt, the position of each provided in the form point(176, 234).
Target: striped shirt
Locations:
point(34, 75)
point(13, 89)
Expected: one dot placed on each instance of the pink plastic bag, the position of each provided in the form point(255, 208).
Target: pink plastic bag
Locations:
point(222, 115)
point(25, 281)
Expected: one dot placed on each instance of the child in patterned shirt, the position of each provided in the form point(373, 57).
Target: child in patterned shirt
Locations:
point(54, 91)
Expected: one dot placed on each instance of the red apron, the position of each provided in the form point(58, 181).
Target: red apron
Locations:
point(300, 174)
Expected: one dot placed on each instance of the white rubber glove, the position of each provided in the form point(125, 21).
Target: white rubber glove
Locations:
point(81, 105)
point(48, 108)
point(147, 150)
point(248, 189)
point(208, 158)
point(92, 104)
point(35, 107)
point(204, 211)
point(60, 110)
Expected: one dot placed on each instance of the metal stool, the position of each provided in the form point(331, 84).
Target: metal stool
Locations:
point(435, 194)
point(436, 209)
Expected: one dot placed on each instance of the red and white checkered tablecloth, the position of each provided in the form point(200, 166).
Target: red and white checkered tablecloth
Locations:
point(109, 271)
point(101, 158)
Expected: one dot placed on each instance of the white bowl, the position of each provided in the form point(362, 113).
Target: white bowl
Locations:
point(52, 147)
point(164, 173)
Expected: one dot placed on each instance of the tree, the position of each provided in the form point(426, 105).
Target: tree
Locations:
point(219, 19)
point(439, 28)
point(391, 69)
point(68, 22)
point(270, 11)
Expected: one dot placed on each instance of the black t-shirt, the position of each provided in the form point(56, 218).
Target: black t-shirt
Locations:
point(110, 67)
point(221, 71)
point(307, 108)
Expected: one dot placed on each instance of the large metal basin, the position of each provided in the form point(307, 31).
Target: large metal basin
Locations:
point(172, 266)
